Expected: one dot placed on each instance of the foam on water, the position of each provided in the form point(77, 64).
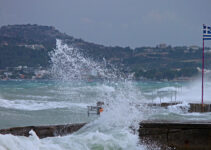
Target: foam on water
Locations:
point(95, 140)
point(192, 92)
point(185, 92)
point(179, 108)
point(111, 131)
point(68, 63)
point(32, 105)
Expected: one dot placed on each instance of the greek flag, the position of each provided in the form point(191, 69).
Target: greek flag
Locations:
point(206, 32)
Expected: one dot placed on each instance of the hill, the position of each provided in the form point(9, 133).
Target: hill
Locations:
point(29, 45)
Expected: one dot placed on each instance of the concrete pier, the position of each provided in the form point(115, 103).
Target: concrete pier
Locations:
point(164, 104)
point(194, 107)
point(200, 107)
point(156, 133)
point(44, 131)
point(176, 135)
point(186, 135)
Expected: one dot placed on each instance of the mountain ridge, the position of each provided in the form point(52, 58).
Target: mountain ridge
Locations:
point(29, 45)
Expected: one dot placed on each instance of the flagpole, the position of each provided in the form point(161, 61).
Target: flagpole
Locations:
point(202, 96)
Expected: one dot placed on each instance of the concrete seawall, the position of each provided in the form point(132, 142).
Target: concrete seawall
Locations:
point(166, 135)
point(194, 107)
point(44, 131)
point(200, 107)
point(176, 135)
point(186, 135)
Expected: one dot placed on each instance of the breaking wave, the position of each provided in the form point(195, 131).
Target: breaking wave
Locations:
point(112, 130)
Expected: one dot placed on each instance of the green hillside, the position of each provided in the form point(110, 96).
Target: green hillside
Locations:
point(29, 45)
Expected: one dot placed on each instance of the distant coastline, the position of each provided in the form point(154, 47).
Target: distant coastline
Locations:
point(24, 54)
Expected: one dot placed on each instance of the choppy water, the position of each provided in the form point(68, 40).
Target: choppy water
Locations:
point(65, 98)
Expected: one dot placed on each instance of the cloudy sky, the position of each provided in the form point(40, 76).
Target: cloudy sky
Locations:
point(131, 23)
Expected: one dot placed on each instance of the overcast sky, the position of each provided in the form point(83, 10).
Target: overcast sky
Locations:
point(131, 23)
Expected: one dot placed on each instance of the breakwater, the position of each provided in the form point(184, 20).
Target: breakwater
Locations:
point(194, 107)
point(176, 135)
point(44, 131)
point(185, 135)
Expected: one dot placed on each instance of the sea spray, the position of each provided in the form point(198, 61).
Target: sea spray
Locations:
point(191, 92)
point(119, 115)
point(112, 130)
point(67, 96)
point(69, 63)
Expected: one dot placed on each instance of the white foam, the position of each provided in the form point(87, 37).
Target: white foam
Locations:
point(10, 142)
point(192, 92)
point(114, 139)
point(179, 108)
point(32, 105)
point(111, 129)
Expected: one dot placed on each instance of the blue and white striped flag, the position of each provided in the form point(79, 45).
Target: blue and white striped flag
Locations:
point(206, 32)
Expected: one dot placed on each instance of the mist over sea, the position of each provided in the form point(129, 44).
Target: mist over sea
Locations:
point(64, 98)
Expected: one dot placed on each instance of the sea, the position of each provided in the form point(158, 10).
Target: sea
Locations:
point(65, 96)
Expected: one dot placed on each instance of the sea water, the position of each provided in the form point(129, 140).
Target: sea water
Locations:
point(64, 98)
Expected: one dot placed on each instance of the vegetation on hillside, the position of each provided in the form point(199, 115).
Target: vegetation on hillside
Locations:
point(29, 45)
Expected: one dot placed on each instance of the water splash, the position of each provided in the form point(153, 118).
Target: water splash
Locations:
point(112, 130)
point(120, 113)
point(191, 92)
point(68, 63)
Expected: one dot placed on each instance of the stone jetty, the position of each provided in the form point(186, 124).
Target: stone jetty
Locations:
point(185, 135)
point(194, 107)
point(188, 135)
point(167, 135)
point(44, 131)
